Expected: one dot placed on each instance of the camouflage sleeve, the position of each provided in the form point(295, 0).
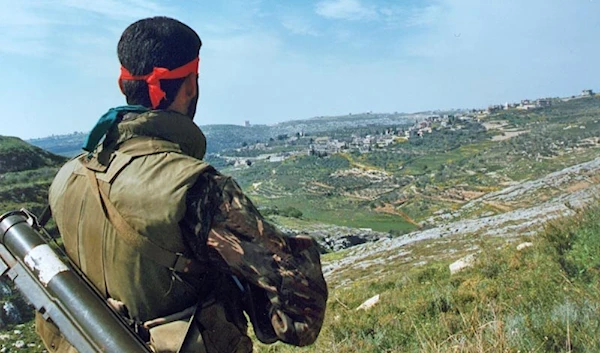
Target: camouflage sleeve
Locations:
point(285, 270)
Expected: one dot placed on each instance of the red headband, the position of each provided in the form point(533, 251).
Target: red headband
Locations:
point(157, 74)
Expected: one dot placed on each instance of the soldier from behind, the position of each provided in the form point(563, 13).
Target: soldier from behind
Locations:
point(176, 247)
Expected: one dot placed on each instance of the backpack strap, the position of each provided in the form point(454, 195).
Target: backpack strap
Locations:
point(172, 260)
point(45, 216)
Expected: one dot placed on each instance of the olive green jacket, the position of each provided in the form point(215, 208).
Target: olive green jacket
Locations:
point(149, 169)
point(146, 173)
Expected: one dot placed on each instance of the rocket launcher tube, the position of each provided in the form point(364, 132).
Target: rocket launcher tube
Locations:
point(59, 292)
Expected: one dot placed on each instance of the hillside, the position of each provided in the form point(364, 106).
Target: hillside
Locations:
point(517, 206)
point(514, 269)
point(411, 182)
point(25, 174)
point(16, 155)
point(534, 293)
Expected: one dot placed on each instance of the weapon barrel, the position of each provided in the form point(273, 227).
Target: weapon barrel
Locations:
point(59, 293)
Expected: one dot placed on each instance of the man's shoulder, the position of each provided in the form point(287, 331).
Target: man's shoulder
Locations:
point(70, 166)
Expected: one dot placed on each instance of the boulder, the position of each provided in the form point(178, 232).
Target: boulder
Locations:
point(461, 264)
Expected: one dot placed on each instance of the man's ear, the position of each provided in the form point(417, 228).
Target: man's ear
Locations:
point(185, 95)
point(191, 88)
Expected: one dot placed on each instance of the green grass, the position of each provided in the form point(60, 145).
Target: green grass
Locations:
point(340, 211)
point(25, 333)
point(33, 196)
point(433, 162)
point(545, 298)
point(27, 177)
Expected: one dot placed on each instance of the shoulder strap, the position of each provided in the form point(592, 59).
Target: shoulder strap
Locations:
point(45, 216)
point(174, 261)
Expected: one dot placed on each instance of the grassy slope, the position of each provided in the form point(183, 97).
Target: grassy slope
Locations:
point(25, 174)
point(340, 211)
point(285, 184)
point(17, 155)
point(545, 298)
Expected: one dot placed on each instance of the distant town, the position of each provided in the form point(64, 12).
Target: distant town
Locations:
point(327, 145)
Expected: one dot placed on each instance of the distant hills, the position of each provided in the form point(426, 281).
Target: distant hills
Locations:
point(68, 145)
point(226, 136)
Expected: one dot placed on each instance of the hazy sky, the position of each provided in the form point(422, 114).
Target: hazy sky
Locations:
point(268, 61)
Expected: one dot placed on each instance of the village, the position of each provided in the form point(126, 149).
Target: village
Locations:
point(322, 145)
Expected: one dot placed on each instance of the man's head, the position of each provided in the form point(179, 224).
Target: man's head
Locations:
point(160, 42)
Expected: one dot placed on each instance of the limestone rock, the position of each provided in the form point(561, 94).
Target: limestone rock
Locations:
point(336, 238)
point(369, 303)
point(461, 264)
point(524, 245)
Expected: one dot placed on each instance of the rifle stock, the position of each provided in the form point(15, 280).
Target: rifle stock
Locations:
point(58, 292)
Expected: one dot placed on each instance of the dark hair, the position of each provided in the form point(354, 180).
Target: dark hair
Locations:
point(155, 42)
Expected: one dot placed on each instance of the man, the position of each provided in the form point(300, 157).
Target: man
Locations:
point(174, 246)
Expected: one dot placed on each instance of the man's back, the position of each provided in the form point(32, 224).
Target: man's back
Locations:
point(146, 179)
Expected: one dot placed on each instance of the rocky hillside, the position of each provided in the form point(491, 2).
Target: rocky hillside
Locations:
point(559, 194)
point(523, 278)
point(520, 210)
